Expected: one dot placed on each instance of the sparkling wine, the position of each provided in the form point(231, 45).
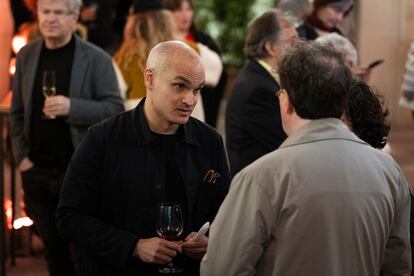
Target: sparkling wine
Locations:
point(49, 88)
point(48, 91)
point(49, 83)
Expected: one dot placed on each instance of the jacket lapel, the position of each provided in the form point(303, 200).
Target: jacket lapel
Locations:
point(30, 75)
point(79, 69)
point(255, 66)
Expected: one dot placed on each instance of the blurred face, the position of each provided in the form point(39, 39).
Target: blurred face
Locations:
point(183, 17)
point(56, 23)
point(332, 15)
point(287, 36)
point(175, 90)
point(288, 33)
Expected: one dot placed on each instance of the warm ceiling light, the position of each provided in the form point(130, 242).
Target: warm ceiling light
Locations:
point(18, 42)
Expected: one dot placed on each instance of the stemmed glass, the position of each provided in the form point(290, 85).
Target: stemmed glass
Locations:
point(170, 226)
point(49, 86)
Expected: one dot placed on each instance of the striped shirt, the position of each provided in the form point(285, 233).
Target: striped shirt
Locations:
point(408, 80)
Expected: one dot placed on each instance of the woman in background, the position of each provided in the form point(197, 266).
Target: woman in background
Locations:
point(212, 92)
point(147, 25)
point(324, 18)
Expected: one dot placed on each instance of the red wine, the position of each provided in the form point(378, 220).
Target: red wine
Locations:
point(170, 235)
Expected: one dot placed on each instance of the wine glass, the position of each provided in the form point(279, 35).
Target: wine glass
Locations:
point(49, 83)
point(170, 226)
point(49, 86)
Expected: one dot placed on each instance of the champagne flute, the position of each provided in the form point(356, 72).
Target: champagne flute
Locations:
point(49, 83)
point(49, 86)
point(170, 226)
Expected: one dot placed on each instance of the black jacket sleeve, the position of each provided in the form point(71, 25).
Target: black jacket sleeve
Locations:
point(76, 215)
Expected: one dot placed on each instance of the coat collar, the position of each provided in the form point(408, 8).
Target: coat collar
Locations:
point(322, 129)
point(144, 134)
point(256, 66)
point(269, 69)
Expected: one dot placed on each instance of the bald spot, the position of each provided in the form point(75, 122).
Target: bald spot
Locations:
point(168, 53)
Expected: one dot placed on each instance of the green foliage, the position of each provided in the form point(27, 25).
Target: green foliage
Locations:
point(226, 22)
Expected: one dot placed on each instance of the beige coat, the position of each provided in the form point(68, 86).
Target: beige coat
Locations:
point(324, 204)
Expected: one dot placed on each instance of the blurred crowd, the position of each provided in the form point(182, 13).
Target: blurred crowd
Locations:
point(128, 30)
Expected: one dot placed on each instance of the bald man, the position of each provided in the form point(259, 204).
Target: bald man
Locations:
point(129, 164)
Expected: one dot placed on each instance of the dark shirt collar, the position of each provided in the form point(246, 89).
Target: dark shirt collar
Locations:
point(144, 134)
point(69, 45)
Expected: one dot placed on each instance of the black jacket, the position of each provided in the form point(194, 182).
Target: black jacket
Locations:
point(114, 181)
point(253, 123)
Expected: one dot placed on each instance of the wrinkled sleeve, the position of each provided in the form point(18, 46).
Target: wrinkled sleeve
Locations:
point(397, 259)
point(240, 231)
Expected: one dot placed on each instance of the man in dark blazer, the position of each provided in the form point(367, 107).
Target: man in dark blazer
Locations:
point(253, 124)
point(45, 129)
point(130, 163)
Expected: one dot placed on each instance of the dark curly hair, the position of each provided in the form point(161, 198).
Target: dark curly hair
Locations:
point(366, 115)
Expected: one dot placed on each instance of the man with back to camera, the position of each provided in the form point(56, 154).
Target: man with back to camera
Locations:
point(253, 126)
point(130, 163)
point(45, 131)
point(324, 203)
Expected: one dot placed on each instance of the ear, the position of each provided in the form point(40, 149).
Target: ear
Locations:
point(149, 79)
point(286, 106)
point(270, 48)
point(75, 18)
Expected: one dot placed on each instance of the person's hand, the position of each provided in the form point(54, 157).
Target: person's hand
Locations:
point(362, 72)
point(156, 250)
point(195, 249)
point(25, 165)
point(56, 106)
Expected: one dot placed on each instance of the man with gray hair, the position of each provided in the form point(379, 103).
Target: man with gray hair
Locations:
point(62, 86)
point(325, 203)
point(253, 126)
